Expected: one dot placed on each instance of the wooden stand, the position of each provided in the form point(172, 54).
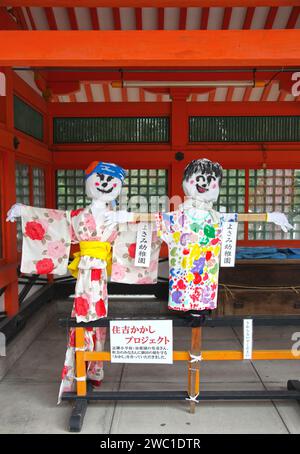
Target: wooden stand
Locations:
point(194, 367)
point(85, 394)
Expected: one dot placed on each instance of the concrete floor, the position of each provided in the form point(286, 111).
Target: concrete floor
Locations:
point(28, 392)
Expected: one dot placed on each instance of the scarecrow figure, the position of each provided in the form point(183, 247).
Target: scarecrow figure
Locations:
point(47, 236)
point(193, 234)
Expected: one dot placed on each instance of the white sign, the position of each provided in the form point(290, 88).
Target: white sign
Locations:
point(2, 344)
point(143, 245)
point(141, 341)
point(2, 84)
point(229, 237)
point(248, 337)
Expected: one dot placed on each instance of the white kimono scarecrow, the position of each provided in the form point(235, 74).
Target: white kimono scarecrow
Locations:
point(193, 234)
point(47, 236)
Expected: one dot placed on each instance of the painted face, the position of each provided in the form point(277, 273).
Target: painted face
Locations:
point(103, 187)
point(202, 186)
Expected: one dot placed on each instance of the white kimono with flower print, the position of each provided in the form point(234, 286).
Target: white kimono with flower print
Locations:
point(47, 236)
point(46, 246)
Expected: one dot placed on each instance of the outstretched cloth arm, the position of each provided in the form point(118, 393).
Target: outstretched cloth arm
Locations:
point(251, 217)
point(46, 240)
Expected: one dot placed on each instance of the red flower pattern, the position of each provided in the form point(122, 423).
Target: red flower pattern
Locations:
point(76, 212)
point(35, 230)
point(131, 250)
point(100, 308)
point(96, 275)
point(81, 306)
point(44, 266)
point(64, 372)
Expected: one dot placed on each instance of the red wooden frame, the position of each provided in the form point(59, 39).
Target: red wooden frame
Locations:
point(151, 48)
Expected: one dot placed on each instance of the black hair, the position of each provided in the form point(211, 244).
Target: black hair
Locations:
point(205, 166)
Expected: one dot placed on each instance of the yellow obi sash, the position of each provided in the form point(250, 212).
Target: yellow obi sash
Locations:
point(95, 249)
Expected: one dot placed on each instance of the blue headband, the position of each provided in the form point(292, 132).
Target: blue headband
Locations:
point(108, 168)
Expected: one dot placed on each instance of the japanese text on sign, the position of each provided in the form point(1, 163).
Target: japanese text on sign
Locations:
point(229, 236)
point(141, 341)
point(248, 338)
point(143, 245)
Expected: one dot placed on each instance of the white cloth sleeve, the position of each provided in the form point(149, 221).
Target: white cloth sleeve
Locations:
point(46, 240)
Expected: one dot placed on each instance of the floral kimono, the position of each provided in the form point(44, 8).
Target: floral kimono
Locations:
point(47, 236)
point(46, 246)
point(194, 241)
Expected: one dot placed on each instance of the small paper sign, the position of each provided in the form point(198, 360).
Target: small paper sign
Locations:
point(141, 341)
point(248, 337)
point(2, 84)
point(143, 245)
point(229, 237)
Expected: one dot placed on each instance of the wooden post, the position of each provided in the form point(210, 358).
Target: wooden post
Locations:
point(80, 362)
point(194, 367)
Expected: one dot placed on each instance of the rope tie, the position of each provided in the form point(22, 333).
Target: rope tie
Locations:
point(193, 398)
point(228, 292)
point(195, 358)
point(83, 378)
point(229, 287)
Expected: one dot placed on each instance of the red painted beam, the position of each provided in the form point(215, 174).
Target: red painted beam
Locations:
point(229, 94)
point(160, 18)
point(248, 18)
point(226, 18)
point(31, 20)
point(111, 109)
point(187, 48)
point(114, 75)
point(51, 18)
point(72, 18)
point(204, 18)
point(182, 19)
point(271, 17)
point(94, 19)
point(243, 108)
point(293, 17)
point(148, 3)
point(88, 92)
point(117, 18)
point(138, 19)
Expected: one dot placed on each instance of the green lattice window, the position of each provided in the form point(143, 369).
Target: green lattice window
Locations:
point(27, 119)
point(22, 194)
point(30, 190)
point(274, 190)
point(111, 130)
point(70, 189)
point(232, 194)
point(244, 129)
point(22, 183)
point(38, 177)
point(146, 190)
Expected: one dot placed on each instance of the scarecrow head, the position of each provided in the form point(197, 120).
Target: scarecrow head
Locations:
point(103, 181)
point(202, 179)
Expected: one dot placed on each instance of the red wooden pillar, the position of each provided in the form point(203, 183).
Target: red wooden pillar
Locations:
point(179, 137)
point(9, 187)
